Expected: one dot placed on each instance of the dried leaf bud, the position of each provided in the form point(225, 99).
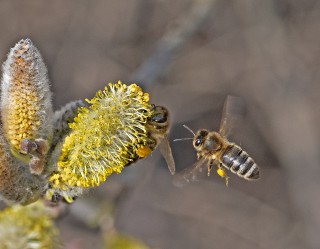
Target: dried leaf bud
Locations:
point(17, 184)
point(37, 151)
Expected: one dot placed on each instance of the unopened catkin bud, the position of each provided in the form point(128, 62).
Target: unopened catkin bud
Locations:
point(26, 109)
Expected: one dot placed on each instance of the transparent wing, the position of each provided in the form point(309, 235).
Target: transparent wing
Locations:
point(232, 115)
point(190, 174)
point(165, 150)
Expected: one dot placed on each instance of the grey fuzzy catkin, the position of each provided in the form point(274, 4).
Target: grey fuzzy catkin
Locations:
point(25, 93)
point(34, 74)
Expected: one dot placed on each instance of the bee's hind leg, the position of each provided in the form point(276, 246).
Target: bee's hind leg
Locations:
point(222, 173)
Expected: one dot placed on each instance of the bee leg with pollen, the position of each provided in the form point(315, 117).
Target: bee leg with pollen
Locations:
point(146, 149)
point(222, 173)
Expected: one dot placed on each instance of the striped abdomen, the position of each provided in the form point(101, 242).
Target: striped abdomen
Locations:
point(240, 163)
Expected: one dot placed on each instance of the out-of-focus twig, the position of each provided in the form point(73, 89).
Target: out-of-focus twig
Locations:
point(286, 113)
point(292, 135)
point(172, 42)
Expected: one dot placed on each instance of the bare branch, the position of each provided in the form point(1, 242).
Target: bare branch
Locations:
point(172, 42)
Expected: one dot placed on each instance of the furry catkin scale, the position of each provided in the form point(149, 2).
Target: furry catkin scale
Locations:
point(62, 118)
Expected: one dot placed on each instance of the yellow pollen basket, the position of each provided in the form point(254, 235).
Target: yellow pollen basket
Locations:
point(144, 151)
point(222, 173)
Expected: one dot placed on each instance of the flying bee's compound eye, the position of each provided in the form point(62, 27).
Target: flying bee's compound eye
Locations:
point(198, 141)
point(200, 138)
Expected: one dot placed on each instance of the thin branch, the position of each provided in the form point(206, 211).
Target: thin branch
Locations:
point(168, 47)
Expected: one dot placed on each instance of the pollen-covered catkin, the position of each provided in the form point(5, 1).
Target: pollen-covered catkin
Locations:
point(26, 109)
point(28, 227)
point(105, 137)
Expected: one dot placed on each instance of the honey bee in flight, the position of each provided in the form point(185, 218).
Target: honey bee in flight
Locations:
point(214, 148)
point(158, 127)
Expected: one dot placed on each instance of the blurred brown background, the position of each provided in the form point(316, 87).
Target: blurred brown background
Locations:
point(190, 54)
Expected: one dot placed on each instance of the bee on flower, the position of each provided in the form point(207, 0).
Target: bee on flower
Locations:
point(119, 127)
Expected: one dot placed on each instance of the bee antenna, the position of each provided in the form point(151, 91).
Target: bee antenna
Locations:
point(182, 139)
point(187, 138)
point(189, 129)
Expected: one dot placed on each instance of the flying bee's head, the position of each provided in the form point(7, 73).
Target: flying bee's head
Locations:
point(207, 141)
point(199, 139)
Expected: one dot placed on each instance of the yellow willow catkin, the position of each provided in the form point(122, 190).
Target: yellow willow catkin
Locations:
point(28, 227)
point(116, 240)
point(105, 137)
point(26, 109)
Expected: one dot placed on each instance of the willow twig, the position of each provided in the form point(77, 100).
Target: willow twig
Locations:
point(171, 43)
